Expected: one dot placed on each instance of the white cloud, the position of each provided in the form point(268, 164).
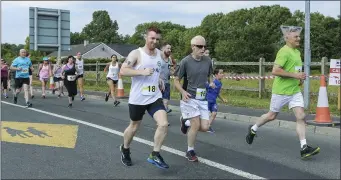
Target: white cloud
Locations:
point(131, 13)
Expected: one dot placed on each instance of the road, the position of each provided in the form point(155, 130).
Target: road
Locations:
point(84, 143)
point(287, 116)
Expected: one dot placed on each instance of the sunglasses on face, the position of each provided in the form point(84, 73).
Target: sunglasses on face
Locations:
point(200, 46)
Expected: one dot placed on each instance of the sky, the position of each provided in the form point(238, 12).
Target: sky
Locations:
point(15, 14)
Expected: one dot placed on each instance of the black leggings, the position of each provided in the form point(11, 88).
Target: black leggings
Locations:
point(4, 82)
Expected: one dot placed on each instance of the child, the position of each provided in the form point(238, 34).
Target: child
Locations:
point(213, 94)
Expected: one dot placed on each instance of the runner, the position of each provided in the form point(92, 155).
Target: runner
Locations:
point(194, 105)
point(31, 77)
point(4, 78)
point(9, 78)
point(213, 94)
point(166, 71)
point(45, 72)
point(21, 65)
point(57, 77)
point(112, 78)
point(11, 81)
point(69, 74)
point(207, 52)
point(143, 65)
point(80, 76)
point(286, 89)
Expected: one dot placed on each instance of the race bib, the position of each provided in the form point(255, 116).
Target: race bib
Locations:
point(298, 69)
point(201, 94)
point(80, 66)
point(149, 89)
point(24, 70)
point(71, 77)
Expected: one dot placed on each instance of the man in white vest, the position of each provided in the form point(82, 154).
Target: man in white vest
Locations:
point(143, 65)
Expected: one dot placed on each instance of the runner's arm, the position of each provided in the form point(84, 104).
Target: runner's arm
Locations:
point(210, 77)
point(50, 70)
point(126, 69)
point(31, 67)
point(14, 65)
point(106, 67)
point(278, 70)
point(178, 75)
point(281, 60)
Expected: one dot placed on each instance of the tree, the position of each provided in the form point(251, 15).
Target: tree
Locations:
point(210, 30)
point(76, 38)
point(101, 29)
point(247, 35)
point(27, 43)
point(165, 27)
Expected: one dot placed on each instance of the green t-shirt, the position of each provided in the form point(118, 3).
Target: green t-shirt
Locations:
point(290, 60)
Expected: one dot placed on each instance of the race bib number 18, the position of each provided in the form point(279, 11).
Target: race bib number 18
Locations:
point(201, 94)
point(149, 90)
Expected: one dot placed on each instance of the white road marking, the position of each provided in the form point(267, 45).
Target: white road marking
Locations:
point(143, 141)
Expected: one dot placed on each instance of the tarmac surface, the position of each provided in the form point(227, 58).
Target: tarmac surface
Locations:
point(50, 140)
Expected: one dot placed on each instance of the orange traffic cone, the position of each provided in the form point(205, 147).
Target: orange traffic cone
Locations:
point(322, 109)
point(51, 83)
point(120, 88)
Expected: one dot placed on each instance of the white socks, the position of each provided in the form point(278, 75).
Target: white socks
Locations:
point(254, 127)
point(188, 123)
point(303, 142)
point(190, 148)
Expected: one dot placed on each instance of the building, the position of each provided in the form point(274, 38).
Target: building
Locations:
point(97, 50)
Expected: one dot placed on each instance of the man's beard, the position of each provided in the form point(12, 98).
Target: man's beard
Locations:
point(167, 54)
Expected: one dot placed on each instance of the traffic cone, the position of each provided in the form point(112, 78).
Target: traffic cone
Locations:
point(322, 109)
point(51, 83)
point(120, 88)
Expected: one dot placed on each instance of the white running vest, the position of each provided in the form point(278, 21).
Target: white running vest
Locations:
point(113, 71)
point(80, 66)
point(145, 89)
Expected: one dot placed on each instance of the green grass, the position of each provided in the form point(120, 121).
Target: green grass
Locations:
point(236, 98)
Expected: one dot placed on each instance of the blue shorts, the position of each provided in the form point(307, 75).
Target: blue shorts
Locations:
point(166, 92)
point(212, 107)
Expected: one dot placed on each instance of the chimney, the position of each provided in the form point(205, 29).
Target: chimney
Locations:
point(86, 42)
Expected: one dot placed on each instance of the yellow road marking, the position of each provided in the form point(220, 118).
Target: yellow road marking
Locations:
point(57, 135)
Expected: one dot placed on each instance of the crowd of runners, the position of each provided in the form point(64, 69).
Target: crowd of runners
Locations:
point(151, 68)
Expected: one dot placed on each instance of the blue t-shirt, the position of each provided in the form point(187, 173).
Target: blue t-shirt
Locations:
point(24, 63)
point(212, 94)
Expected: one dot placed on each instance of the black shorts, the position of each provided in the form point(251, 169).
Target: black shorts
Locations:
point(20, 81)
point(57, 79)
point(136, 112)
point(80, 76)
point(114, 81)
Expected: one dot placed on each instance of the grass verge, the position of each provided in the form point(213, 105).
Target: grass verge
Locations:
point(237, 98)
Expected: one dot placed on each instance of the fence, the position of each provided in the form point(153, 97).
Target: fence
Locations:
point(97, 68)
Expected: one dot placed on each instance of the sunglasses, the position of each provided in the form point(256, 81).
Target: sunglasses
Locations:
point(200, 46)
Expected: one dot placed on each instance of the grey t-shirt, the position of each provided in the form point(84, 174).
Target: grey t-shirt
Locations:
point(197, 73)
point(165, 70)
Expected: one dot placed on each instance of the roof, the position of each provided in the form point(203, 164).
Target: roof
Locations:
point(123, 49)
point(76, 48)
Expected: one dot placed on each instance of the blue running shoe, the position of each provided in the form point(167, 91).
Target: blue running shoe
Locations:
point(158, 161)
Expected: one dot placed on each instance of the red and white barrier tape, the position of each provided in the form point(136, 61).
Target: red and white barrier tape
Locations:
point(262, 77)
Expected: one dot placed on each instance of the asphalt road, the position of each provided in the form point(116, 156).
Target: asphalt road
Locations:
point(274, 154)
point(288, 116)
